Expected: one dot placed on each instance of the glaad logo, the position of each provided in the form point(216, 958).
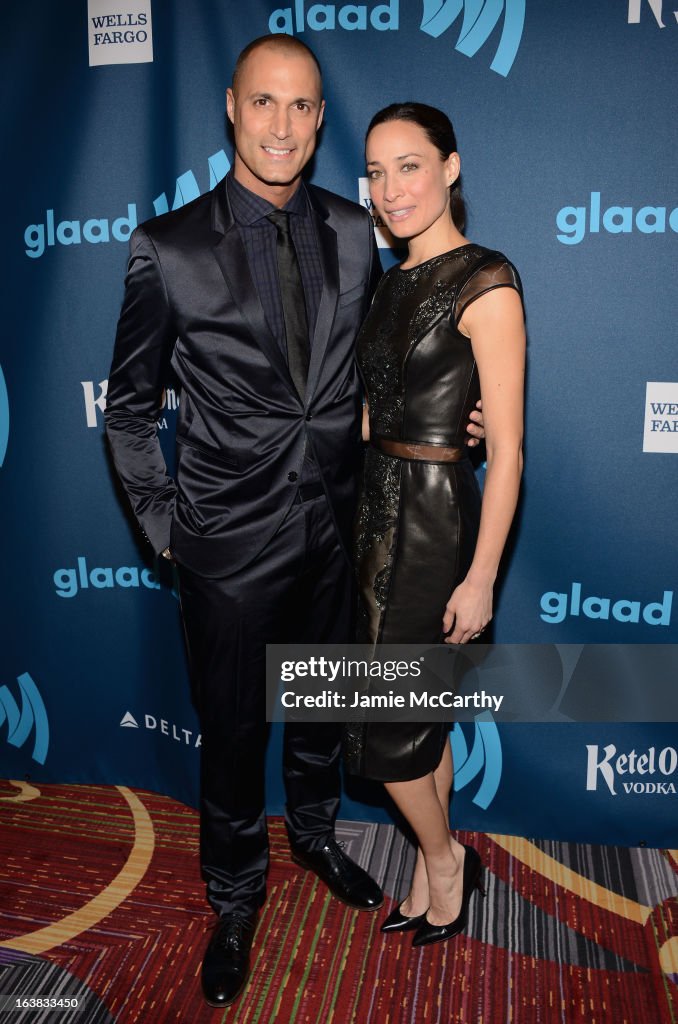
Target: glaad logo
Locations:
point(480, 19)
point(656, 8)
point(611, 766)
point(32, 715)
point(555, 607)
point(163, 726)
point(324, 17)
point(4, 418)
point(661, 417)
point(39, 237)
point(97, 402)
point(69, 582)
point(485, 757)
point(71, 232)
point(574, 221)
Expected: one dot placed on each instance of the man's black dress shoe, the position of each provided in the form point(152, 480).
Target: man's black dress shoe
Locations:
point(427, 933)
point(226, 964)
point(398, 922)
point(342, 876)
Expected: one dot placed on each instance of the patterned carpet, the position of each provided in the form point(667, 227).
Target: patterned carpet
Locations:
point(100, 900)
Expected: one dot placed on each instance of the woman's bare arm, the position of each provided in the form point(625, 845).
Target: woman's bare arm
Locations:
point(494, 323)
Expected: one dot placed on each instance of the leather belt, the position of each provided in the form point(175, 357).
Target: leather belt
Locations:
point(307, 492)
point(416, 451)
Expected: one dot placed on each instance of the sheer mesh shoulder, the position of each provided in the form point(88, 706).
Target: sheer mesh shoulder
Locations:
point(497, 272)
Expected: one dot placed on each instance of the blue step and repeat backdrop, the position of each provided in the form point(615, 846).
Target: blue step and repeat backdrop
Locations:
point(113, 111)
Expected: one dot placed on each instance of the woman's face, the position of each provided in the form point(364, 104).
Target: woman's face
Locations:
point(409, 181)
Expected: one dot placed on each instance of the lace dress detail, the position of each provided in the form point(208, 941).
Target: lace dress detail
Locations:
point(376, 523)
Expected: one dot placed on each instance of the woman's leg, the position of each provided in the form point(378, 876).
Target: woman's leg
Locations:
point(436, 882)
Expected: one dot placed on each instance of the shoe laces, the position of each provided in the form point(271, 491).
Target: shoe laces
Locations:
point(231, 932)
point(337, 848)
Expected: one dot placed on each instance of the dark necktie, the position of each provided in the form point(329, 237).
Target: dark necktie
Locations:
point(293, 303)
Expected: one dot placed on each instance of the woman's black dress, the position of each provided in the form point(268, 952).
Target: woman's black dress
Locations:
point(417, 520)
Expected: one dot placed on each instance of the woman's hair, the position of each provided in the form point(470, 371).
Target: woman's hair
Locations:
point(439, 131)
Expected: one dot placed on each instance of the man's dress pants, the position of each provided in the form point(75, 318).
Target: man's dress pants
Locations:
point(297, 590)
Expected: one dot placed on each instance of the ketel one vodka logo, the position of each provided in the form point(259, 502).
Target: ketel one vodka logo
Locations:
point(95, 393)
point(654, 6)
point(650, 772)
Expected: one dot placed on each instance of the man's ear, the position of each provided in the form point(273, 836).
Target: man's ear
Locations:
point(321, 114)
point(230, 104)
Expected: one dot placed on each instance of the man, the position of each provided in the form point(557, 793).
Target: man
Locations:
point(253, 294)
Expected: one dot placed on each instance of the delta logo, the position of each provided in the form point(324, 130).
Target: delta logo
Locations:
point(163, 727)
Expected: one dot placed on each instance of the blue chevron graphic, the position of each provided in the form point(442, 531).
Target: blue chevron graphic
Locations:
point(187, 187)
point(485, 757)
point(20, 721)
point(480, 19)
point(4, 417)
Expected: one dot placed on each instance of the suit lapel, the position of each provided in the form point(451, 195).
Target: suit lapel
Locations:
point(231, 256)
point(329, 261)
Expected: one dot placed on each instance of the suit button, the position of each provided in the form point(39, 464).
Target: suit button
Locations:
point(292, 476)
point(309, 416)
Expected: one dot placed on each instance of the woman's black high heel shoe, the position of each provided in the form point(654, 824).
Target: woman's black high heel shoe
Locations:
point(426, 932)
point(397, 922)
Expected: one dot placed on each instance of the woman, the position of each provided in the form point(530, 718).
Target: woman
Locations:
point(444, 325)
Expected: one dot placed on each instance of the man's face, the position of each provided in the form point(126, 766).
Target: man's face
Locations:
point(276, 113)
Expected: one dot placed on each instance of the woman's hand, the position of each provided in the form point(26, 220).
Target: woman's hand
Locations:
point(475, 428)
point(366, 422)
point(469, 610)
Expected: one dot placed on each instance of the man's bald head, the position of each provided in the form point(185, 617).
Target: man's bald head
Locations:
point(281, 43)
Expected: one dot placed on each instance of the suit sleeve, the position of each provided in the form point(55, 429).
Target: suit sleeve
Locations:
point(143, 347)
